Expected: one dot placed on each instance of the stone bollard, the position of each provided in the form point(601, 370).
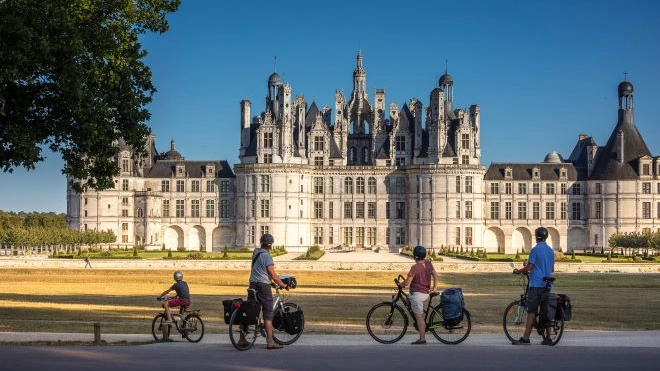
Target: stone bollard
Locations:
point(97, 333)
point(166, 332)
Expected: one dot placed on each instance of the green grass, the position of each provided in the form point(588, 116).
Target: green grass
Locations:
point(123, 301)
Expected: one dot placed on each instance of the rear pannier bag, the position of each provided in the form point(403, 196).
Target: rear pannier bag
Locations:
point(564, 308)
point(230, 306)
point(549, 305)
point(451, 301)
point(250, 312)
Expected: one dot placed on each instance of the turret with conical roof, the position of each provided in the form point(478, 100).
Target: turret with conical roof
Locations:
point(619, 158)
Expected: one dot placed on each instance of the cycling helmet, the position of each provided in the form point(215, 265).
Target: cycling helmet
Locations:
point(541, 234)
point(419, 252)
point(178, 276)
point(267, 240)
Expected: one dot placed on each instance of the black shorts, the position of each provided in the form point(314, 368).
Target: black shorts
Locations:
point(265, 297)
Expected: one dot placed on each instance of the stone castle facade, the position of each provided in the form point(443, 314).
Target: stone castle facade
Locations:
point(371, 175)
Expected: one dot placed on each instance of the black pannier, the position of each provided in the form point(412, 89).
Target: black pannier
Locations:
point(549, 306)
point(230, 306)
point(564, 308)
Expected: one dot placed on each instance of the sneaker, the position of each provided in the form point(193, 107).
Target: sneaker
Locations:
point(546, 342)
point(521, 341)
point(418, 341)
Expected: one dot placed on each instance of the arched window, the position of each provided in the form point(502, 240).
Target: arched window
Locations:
point(365, 155)
point(348, 185)
point(352, 155)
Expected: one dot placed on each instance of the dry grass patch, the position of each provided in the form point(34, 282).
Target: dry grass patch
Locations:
point(123, 301)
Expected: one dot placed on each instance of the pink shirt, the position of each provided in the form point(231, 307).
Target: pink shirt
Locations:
point(422, 274)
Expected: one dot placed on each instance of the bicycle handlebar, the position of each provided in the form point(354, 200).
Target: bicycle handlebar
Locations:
point(165, 298)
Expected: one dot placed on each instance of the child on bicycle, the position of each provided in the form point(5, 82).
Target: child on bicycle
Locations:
point(182, 295)
point(422, 279)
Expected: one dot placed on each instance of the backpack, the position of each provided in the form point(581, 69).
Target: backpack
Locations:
point(451, 302)
point(549, 306)
point(564, 308)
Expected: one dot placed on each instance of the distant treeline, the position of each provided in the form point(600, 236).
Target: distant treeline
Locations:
point(33, 219)
point(45, 229)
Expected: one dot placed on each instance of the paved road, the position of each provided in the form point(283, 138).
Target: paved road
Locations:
point(592, 350)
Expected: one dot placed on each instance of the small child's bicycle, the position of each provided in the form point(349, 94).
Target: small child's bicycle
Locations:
point(188, 323)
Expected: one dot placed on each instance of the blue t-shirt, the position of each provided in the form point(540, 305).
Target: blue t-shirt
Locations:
point(542, 258)
point(182, 290)
point(259, 272)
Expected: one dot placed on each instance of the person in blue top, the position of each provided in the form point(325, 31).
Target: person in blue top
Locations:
point(261, 276)
point(540, 263)
point(182, 298)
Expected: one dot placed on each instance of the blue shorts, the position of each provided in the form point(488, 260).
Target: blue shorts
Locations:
point(534, 299)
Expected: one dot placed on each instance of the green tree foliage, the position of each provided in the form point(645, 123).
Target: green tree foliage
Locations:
point(73, 73)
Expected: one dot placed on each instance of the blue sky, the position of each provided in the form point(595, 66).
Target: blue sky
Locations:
point(542, 72)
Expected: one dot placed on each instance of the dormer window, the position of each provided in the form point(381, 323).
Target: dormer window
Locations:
point(180, 170)
point(508, 173)
point(210, 171)
point(562, 173)
point(536, 173)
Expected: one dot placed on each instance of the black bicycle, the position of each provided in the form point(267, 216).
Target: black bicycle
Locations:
point(188, 323)
point(515, 317)
point(243, 331)
point(387, 322)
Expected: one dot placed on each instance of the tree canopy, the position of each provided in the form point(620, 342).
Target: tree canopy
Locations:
point(73, 80)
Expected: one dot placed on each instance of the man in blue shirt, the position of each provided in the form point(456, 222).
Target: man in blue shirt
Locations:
point(541, 263)
point(261, 276)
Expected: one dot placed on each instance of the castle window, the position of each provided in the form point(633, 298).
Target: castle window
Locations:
point(180, 186)
point(494, 188)
point(194, 208)
point(225, 210)
point(465, 141)
point(318, 143)
point(371, 186)
point(268, 140)
point(348, 185)
point(265, 183)
point(646, 188)
point(165, 186)
point(124, 185)
point(400, 143)
point(494, 210)
point(210, 208)
point(359, 185)
point(194, 185)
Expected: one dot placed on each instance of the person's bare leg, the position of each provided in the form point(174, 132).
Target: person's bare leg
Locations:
point(531, 319)
point(268, 324)
point(167, 311)
point(421, 326)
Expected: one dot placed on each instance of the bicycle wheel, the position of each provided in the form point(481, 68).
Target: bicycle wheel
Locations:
point(553, 332)
point(449, 334)
point(242, 336)
point(194, 330)
point(387, 322)
point(514, 319)
point(158, 326)
point(279, 335)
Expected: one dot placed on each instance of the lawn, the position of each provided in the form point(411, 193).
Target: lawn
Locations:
point(123, 301)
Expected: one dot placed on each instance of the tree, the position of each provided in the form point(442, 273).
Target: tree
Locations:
point(72, 73)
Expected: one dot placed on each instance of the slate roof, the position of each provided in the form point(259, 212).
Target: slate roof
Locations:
point(194, 169)
point(607, 167)
point(524, 171)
